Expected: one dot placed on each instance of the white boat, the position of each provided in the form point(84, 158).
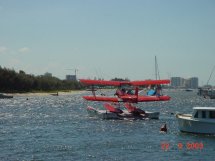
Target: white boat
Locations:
point(105, 114)
point(201, 121)
point(3, 96)
point(54, 94)
point(207, 93)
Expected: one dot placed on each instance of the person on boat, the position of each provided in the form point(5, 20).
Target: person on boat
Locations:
point(158, 90)
point(163, 128)
point(151, 92)
point(130, 92)
point(120, 92)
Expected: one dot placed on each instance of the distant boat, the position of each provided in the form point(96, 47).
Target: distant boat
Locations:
point(55, 94)
point(188, 90)
point(201, 121)
point(4, 96)
point(207, 93)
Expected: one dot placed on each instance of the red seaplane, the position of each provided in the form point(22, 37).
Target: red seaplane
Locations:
point(125, 94)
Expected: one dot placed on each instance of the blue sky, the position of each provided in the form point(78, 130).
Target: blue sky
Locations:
point(109, 38)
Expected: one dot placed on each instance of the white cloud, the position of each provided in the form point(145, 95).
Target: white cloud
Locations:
point(9, 51)
point(24, 50)
point(14, 62)
point(3, 49)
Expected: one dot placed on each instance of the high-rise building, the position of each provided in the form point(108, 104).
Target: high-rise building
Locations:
point(178, 82)
point(194, 83)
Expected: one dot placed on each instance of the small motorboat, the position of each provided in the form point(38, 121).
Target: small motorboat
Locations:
point(201, 121)
point(4, 96)
point(163, 128)
point(207, 93)
point(54, 94)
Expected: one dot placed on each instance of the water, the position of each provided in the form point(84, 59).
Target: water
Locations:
point(58, 128)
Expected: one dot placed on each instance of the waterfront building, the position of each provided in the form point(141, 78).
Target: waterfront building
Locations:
point(179, 82)
point(192, 83)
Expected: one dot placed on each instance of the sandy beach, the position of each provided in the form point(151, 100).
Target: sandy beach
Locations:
point(28, 94)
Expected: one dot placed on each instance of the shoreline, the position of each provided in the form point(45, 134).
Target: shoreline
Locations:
point(60, 93)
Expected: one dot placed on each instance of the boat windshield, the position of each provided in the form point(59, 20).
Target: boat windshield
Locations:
point(203, 114)
point(196, 114)
point(212, 114)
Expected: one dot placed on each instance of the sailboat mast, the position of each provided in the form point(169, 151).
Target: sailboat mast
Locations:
point(157, 76)
point(156, 68)
point(211, 74)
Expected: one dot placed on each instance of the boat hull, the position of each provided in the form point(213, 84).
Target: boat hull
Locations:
point(103, 114)
point(3, 96)
point(187, 124)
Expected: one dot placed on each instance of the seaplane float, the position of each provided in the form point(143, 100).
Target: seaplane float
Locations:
point(127, 93)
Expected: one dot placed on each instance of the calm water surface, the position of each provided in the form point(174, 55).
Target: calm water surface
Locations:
point(58, 128)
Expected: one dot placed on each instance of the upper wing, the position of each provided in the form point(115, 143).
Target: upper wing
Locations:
point(118, 83)
point(150, 82)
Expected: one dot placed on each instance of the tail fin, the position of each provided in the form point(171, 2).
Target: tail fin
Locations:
point(133, 109)
point(129, 107)
point(111, 108)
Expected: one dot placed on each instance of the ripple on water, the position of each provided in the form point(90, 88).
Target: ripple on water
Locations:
point(58, 128)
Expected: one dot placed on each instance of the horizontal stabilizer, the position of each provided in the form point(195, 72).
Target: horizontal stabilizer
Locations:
point(101, 98)
point(111, 108)
point(133, 109)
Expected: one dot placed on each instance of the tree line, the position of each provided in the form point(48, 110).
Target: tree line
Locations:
point(12, 81)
